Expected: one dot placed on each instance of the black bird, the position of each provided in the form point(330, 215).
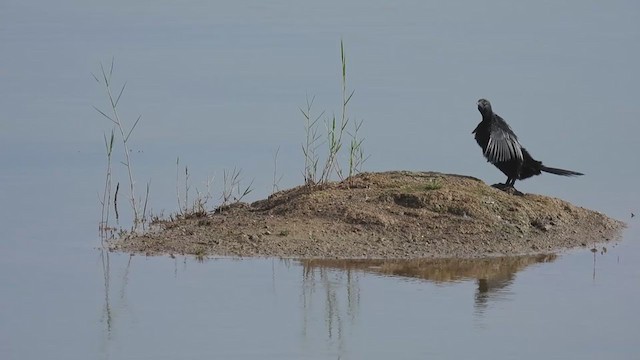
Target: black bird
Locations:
point(501, 148)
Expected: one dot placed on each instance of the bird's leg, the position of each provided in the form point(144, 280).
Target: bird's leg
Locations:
point(508, 187)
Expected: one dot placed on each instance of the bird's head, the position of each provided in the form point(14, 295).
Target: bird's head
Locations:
point(484, 106)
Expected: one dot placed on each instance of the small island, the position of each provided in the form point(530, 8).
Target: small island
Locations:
point(388, 215)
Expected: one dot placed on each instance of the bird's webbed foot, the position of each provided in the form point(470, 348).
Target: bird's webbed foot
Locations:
point(508, 188)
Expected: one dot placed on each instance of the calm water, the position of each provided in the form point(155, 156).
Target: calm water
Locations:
point(219, 85)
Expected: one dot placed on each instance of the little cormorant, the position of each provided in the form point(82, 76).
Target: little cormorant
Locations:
point(501, 148)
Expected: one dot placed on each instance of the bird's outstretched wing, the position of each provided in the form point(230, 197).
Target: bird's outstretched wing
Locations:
point(503, 143)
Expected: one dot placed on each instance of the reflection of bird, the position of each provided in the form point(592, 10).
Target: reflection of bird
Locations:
point(501, 148)
point(490, 288)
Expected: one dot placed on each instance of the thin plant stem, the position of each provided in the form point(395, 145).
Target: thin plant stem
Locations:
point(124, 134)
point(106, 195)
point(276, 179)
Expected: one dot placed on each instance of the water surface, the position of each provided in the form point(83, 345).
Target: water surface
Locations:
point(219, 85)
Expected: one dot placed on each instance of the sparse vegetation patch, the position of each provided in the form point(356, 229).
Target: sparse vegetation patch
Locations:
point(382, 215)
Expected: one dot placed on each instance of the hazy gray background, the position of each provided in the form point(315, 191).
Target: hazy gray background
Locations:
point(219, 85)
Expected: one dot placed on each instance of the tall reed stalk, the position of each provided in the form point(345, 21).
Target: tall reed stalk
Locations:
point(336, 127)
point(106, 194)
point(311, 145)
point(125, 134)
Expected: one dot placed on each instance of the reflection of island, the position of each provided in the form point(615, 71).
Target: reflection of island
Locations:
point(437, 270)
point(493, 275)
point(331, 288)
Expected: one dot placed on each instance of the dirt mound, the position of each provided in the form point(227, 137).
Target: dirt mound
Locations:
point(383, 215)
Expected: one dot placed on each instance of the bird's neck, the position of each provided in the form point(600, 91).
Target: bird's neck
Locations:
point(487, 116)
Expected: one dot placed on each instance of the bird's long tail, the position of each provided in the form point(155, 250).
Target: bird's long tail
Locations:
point(561, 172)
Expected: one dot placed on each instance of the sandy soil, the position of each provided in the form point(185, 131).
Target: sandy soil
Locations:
point(391, 215)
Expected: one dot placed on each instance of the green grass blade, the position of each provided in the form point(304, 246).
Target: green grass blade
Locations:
point(120, 94)
point(103, 114)
point(133, 127)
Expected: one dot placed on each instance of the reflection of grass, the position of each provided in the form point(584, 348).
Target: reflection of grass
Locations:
point(200, 254)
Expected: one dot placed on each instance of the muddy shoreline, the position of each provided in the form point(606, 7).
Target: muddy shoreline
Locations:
point(390, 215)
